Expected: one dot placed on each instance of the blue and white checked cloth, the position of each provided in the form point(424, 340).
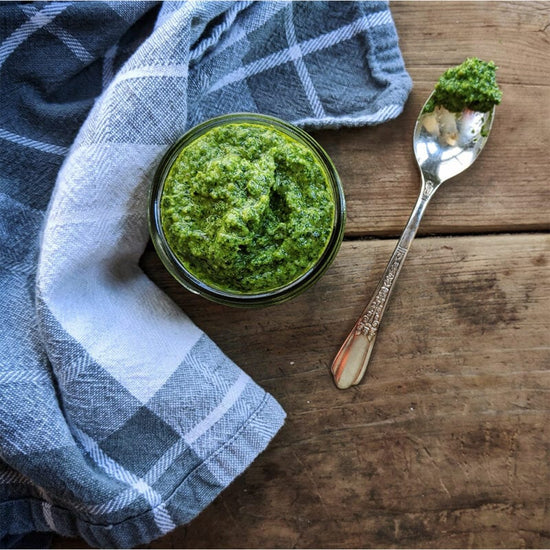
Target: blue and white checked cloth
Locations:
point(120, 419)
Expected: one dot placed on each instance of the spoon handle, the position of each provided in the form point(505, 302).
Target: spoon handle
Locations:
point(350, 363)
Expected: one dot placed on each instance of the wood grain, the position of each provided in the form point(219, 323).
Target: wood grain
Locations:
point(446, 443)
point(507, 189)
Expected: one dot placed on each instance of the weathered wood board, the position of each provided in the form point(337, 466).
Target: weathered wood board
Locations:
point(508, 187)
point(445, 443)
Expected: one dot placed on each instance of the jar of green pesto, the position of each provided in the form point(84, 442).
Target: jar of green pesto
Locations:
point(246, 210)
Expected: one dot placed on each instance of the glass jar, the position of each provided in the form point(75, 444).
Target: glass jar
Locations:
point(255, 298)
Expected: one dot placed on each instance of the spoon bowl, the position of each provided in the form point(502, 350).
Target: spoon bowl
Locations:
point(445, 144)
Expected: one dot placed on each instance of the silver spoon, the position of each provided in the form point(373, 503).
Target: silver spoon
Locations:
point(445, 144)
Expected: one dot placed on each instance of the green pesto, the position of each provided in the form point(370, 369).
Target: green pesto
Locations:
point(470, 85)
point(247, 208)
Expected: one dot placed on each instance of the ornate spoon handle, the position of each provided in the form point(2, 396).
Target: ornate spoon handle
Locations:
point(351, 361)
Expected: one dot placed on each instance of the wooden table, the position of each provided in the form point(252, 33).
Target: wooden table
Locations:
point(446, 443)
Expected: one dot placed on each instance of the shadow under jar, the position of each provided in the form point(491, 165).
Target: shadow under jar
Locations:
point(246, 210)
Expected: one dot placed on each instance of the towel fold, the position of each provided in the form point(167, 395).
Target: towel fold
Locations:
point(119, 418)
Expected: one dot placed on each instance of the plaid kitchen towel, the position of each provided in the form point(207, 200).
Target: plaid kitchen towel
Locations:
point(119, 418)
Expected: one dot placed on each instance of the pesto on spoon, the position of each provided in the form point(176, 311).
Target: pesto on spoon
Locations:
point(472, 85)
point(451, 130)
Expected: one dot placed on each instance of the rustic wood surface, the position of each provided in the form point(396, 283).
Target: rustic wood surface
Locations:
point(446, 443)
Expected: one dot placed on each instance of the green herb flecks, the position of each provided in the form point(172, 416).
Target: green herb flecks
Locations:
point(471, 85)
